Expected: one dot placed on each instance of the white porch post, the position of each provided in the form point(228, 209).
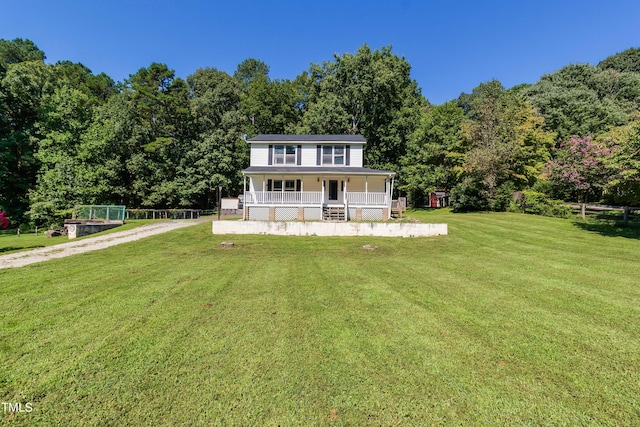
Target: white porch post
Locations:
point(344, 193)
point(244, 196)
point(390, 196)
point(366, 189)
point(345, 200)
point(322, 195)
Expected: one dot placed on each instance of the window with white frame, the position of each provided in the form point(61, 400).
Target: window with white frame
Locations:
point(284, 154)
point(333, 155)
point(284, 185)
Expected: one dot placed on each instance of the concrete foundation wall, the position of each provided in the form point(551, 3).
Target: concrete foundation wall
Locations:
point(383, 229)
point(79, 230)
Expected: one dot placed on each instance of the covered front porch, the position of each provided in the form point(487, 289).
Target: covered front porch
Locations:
point(328, 196)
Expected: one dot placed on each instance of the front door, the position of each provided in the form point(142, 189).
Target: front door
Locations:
point(333, 191)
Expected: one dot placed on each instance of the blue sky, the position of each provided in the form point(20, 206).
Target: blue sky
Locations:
point(452, 46)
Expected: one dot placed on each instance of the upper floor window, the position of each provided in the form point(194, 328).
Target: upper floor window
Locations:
point(333, 155)
point(284, 154)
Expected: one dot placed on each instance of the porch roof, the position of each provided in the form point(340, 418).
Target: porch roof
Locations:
point(313, 170)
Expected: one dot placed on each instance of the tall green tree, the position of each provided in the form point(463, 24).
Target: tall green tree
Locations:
point(66, 115)
point(369, 93)
point(16, 51)
point(69, 168)
point(21, 91)
point(251, 69)
point(272, 106)
point(436, 153)
point(217, 153)
point(624, 166)
point(626, 61)
point(97, 87)
point(580, 99)
point(162, 134)
point(508, 144)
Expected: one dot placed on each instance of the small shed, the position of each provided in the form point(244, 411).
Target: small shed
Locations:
point(439, 199)
point(230, 206)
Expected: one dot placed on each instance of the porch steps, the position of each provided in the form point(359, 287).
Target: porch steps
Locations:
point(333, 213)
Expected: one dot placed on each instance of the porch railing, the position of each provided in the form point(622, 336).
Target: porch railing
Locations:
point(360, 198)
point(353, 198)
point(283, 197)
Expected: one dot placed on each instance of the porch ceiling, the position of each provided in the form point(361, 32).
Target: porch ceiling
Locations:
point(313, 170)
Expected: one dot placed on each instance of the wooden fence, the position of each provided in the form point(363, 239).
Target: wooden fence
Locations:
point(607, 212)
point(163, 213)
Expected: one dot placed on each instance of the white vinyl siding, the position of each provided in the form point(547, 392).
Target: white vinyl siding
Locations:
point(356, 156)
point(309, 153)
point(259, 155)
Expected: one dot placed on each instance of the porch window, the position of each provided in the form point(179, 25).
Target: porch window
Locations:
point(284, 154)
point(289, 185)
point(333, 155)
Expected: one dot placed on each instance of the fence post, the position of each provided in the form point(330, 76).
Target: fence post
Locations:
point(583, 208)
point(626, 215)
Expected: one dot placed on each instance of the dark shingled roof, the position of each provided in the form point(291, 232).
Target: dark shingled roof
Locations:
point(308, 138)
point(314, 170)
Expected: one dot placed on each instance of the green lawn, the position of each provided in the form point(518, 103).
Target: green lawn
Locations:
point(10, 242)
point(509, 320)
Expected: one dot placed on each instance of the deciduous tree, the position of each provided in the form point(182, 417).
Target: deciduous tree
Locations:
point(369, 93)
point(507, 140)
point(217, 154)
point(624, 166)
point(21, 91)
point(581, 99)
point(436, 153)
point(578, 171)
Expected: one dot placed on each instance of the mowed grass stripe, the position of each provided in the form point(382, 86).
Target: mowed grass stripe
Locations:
point(458, 329)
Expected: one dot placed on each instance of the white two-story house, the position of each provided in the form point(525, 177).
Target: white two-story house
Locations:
point(314, 177)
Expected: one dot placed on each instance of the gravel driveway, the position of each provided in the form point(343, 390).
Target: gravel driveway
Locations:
point(62, 250)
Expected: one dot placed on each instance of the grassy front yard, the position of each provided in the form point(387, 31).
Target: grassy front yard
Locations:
point(508, 320)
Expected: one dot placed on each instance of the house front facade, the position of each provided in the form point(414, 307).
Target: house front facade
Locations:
point(314, 177)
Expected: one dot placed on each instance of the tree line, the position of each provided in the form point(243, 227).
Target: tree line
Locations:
point(68, 136)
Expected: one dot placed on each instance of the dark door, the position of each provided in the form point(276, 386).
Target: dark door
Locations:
point(333, 191)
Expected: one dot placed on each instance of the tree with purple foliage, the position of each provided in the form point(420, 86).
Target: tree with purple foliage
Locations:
point(4, 221)
point(578, 171)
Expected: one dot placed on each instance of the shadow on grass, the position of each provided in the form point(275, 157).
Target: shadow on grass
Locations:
point(611, 229)
point(21, 248)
